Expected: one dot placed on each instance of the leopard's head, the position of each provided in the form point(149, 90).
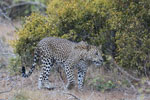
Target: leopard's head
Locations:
point(92, 54)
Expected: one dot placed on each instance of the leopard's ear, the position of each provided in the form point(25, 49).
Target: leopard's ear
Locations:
point(100, 47)
point(82, 45)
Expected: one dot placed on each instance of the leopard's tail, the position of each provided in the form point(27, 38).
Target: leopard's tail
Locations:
point(36, 58)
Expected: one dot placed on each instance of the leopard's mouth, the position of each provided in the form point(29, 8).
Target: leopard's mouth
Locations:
point(97, 63)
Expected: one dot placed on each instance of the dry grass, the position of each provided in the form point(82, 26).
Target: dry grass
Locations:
point(62, 95)
point(7, 31)
point(26, 89)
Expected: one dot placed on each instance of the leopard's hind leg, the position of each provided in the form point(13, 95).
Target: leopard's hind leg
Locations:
point(43, 79)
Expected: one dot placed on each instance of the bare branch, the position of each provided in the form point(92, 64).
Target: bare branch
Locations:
point(75, 97)
point(6, 91)
point(4, 15)
point(127, 75)
point(89, 98)
point(26, 3)
point(123, 71)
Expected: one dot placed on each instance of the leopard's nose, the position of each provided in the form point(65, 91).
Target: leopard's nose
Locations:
point(101, 60)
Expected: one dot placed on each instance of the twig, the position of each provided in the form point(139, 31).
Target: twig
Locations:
point(145, 69)
point(4, 15)
point(89, 98)
point(75, 97)
point(123, 71)
point(26, 3)
point(8, 18)
point(132, 86)
point(6, 91)
point(19, 4)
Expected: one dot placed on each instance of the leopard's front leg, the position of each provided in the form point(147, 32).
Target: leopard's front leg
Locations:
point(69, 74)
point(82, 68)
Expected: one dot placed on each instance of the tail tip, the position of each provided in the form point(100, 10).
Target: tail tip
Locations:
point(23, 71)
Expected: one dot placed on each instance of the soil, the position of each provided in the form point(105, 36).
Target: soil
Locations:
point(10, 86)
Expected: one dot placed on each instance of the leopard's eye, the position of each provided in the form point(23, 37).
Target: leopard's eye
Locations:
point(96, 53)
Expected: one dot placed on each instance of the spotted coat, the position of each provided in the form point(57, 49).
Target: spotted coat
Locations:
point(56, 51)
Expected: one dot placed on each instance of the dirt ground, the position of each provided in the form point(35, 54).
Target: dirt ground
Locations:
point(18, 88)
point(7, 31)
point(14, 86)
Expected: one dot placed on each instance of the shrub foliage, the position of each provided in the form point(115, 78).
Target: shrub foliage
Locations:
point(121, 26)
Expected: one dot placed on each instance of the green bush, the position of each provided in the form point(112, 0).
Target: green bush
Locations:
point(14, 65)
point(121, 26)
point(132, 34)
point(101, 84)
point(85, 20)
point(35, 28)
point(71, 19)
point(20, 96)
point(79, 20)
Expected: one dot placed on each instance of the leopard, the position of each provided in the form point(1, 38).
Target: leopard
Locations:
point(53, 51)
